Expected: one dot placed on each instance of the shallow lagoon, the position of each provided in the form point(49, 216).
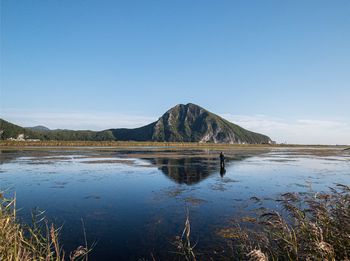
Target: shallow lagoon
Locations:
point(134, 201)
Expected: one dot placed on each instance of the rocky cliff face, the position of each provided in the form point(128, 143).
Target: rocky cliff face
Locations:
point(192, 123)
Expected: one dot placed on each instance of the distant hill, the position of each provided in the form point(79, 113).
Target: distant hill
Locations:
point(10, 130)
point(38, 128)
point(182, 123)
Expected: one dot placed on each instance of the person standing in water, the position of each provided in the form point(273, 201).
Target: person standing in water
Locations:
point(222, 160)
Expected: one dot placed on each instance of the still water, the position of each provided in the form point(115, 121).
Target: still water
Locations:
point(134, 201)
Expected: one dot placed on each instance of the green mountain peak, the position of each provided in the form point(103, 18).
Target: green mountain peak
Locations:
point(182, 123)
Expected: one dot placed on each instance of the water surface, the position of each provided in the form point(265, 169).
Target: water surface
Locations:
point(134, 201)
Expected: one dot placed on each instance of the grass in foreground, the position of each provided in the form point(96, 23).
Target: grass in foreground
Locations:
point(39, 241)
point(312, 228)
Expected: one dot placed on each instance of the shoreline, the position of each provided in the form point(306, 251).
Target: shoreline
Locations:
point(128, 144)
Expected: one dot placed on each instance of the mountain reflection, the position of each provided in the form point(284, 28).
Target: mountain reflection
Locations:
point(189, 170)
point(185, 167)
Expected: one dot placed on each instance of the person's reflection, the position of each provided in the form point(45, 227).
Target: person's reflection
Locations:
point(222, 164)
point(222, 171)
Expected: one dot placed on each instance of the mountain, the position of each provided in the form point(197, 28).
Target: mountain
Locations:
point(38, 128)
point(182, 123)
point(191, 123)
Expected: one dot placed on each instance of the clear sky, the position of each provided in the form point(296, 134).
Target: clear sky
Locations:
point(277, 67)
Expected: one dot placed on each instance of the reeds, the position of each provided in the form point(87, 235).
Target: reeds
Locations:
point(184, 247)
point(38, 241)
point(309, 228)
point(58, 143)
point(115, 143)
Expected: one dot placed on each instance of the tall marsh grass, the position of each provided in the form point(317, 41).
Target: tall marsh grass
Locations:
point(309, 227)
point(184, 247)
point(38, 241)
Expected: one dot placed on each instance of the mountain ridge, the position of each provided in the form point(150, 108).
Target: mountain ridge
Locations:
point(181, 123)
point(38, 128)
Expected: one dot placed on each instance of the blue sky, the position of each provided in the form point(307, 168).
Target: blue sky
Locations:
point(278, 67)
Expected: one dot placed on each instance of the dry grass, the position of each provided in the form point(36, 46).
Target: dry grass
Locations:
point(184, 247)
point(66, 145)
point(309, 228)
point(55, 143)
point(39, 241)
point(314, 228)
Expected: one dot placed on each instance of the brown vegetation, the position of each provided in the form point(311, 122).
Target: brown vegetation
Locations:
point(40, 241)
point(55, 143)
point(309, 228)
